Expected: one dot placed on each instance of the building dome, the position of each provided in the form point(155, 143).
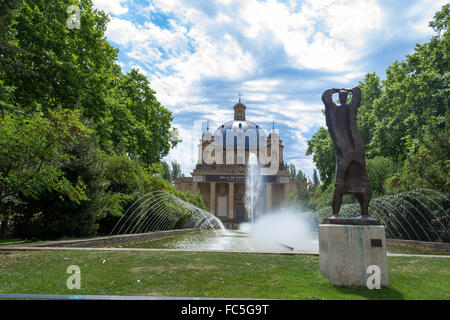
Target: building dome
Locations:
point(249, 130)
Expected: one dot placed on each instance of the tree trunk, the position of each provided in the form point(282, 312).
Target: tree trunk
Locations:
point(4, 223)
point(4, 228)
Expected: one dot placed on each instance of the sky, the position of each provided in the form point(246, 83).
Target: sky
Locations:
point(279, 55)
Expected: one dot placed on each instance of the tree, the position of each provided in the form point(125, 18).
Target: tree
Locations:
point(168, 173)
point(398, 118)
point(176, 170)
point(315, 180)
point(138, 120)
point(415, 92)
point(77, 69)
point(165, 171)
point(31, 156)
point(428, 162)
point(57, 177)
point(69, 68)
point(9, 51)
point(303, 190)
point(370, 90)
point(379, 169)
point(52, 215)
point(321, 148)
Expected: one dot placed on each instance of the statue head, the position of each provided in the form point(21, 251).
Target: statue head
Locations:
point(343, 94)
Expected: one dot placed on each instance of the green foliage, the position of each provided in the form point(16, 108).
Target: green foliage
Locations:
point(370, 90)
point(137, 120)
point(428, 164)
point(53, 215)
point(165, 171)
point(64, 171)
point(195, 198)
point(32, 152)
point(321, 147)
point(32, 157)
point(415, 92)
point(77, 69)
point(168, 173)
point(403, 122)
point(379, 169)
point(322, 197)
point(315, 180)
point(303, 191)
point(176, 170)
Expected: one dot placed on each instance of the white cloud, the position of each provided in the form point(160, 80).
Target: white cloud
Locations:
point(111, 6)
point(348, 21)
point(168, 6)
point(204, 49)
point(421, 13)
point(322, 35)
point(196, 47)
point(145, 52)
point(123, 32)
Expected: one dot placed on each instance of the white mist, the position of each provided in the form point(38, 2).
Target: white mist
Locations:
point(285, 229)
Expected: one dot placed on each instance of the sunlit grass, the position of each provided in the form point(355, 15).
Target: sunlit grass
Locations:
point(200, 274)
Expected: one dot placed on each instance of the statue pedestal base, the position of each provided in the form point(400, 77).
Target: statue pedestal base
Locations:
point(346, 252)
point(359, 221)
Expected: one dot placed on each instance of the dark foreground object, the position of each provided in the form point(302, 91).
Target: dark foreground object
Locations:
point(351, 174)
point(357, 221)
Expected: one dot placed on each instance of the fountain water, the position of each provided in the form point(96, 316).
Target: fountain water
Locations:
point(253, 185)
point(280, 229)
point(284, 228)
point(415, 215)
point(421, 214)
point(160, 210)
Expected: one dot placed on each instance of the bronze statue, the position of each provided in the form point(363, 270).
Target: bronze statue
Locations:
point(351, 175)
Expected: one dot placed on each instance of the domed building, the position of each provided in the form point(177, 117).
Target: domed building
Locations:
point(223, 165)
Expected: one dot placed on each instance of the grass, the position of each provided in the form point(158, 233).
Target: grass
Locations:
point(415, 250)
point(202, 274)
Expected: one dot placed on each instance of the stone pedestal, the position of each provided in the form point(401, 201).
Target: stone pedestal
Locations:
point(345, 252)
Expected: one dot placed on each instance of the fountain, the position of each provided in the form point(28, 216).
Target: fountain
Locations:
point(421, 214)
point(160, 210)
point(253, 184)
point(279, 229)
point(282, 230)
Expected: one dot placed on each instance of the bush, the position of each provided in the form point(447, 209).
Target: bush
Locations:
point(378, 170)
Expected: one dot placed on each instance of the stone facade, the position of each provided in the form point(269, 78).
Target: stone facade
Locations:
point(221, 169)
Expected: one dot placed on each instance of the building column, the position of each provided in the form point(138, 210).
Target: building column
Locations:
point(231, 200)
point(268, 197)
point(212, 199)
point(194, 186)
point(285, 194)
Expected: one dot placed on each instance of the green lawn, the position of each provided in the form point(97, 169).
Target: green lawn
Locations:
point(202, 274)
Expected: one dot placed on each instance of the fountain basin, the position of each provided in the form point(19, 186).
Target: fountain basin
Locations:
point(220, 240)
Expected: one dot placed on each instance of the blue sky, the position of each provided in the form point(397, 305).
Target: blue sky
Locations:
point(281, 56)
